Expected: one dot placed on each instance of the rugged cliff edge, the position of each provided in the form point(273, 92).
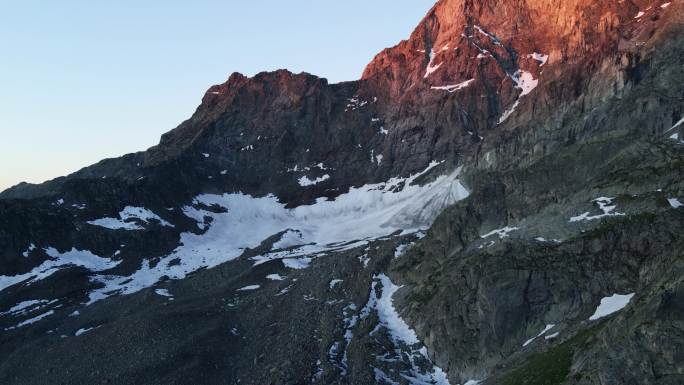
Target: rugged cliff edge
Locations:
point(498, 200)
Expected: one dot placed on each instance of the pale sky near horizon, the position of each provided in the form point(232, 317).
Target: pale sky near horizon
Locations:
point(84, 80)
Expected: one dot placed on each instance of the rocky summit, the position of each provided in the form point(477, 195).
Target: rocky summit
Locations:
point(498, 200)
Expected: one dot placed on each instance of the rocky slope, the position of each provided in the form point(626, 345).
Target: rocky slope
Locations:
point(497, 200)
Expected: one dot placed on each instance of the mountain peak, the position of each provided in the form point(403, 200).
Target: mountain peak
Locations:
point(457, 37)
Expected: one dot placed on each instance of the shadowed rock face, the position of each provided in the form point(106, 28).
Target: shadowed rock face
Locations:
point(257, 242)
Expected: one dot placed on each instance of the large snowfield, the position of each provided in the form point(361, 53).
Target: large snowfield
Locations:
point(351, 220)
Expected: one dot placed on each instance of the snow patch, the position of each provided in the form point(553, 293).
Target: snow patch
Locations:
point(401, 334)
point(354, 104)
point(163, 293)
point(502, 232)
point(401, 249)
point(546, 329)
point(127, 219)
point(675, 203)
point(26, 306)
point(489, 35)
point(388, 315)
point(74, 257)
point(305, 181)
point(604, 204)
point(610, 305)
point(454, 87)
point(28, 250)
point(83, 330)
point(335, 282)
point(297, 263)
point(249, 288)
point(32, 320)
point(525, 81)
point(675, 137)
point(275, 277)
point(540, 57)
point(552, 336)
point(431, 68)
point(509, 112)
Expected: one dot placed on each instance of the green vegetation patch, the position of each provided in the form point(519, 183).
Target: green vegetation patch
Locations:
point(551, 367)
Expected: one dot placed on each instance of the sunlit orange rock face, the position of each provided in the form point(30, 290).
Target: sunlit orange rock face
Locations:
point(490, 67)
point(490, 40)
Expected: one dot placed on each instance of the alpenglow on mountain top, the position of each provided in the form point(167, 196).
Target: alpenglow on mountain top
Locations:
point(498, 200)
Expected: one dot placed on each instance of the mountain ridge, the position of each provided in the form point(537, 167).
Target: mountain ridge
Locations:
point(440, 10)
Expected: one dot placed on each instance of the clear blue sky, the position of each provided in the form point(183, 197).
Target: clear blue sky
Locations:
point(85, 80)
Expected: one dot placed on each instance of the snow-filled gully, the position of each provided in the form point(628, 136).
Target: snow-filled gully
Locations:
point(407, 360)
